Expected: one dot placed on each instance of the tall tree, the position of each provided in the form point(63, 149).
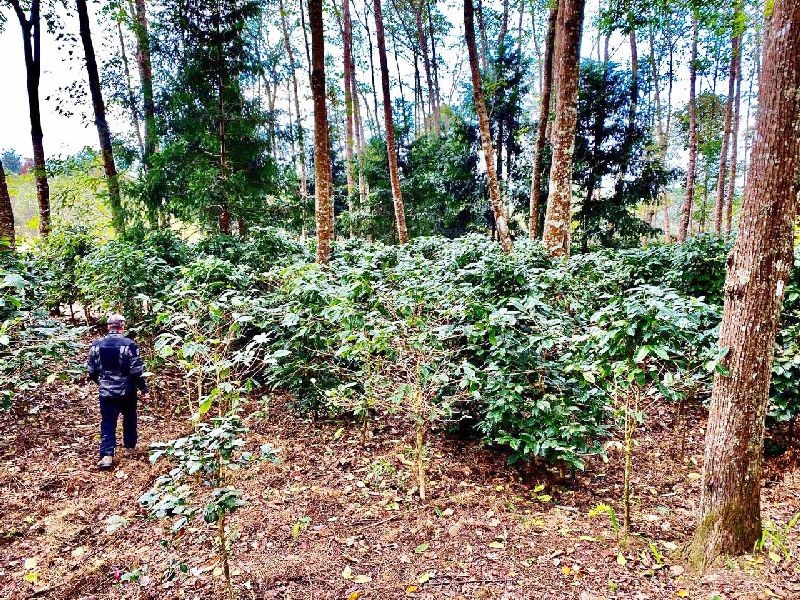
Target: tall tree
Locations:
point(495, 199)
point(32, 40)
point(131, 96)
point(145, 77)
point(349, 113)
point(758, 270)
point(691, 170)
point(322, 160)
point(737, 103)
point(6, 214)
point(722, 176)
point(100, 121)
point(296, 94)
point(569, 26)
point(541, 128)
point(391, 149)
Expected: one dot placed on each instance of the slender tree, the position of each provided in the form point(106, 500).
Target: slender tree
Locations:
point(322, 160)
point(541, 128)
point(131, 96)
point(100, 121)
point(145, 78)
point(31, 40)
point(391, 149)
point(758, 270)
point(347, 42)
point(569, 25)
point(500, 218)
point(737, 103)
point(296, 94)
point(691, 171)
point(6, 214)
point(722, 176)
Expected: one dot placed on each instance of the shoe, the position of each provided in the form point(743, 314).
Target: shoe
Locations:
point(129, 452)
point(105, 462)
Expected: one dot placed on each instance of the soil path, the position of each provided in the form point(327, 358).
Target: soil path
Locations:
point(334, 519)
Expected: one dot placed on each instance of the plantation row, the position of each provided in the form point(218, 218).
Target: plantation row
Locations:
point(544, 358)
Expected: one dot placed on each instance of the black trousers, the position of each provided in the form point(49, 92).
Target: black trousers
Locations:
point(110, 409)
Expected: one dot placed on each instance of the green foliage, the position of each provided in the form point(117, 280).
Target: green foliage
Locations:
point(60, 254)
point(33, 345)
point(205, 456)
point(698, 267)
point(119, 276)
point(608, 146)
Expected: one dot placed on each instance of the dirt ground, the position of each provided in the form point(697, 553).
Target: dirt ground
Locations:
point(333, 519)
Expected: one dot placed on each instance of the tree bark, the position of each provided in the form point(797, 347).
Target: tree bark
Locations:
point(483, 36)
point(758, 269)
point(422, 39)
point(541, 128)
point(347, 41)
point(567, 52)
point(100, 121)
point(146, 79)
point(132, 105)
point(322, 161)
point(298, 120)
point(686, 210)
point(372, 70)
point(31, 40)
point(391, 149)
point(437, 91)
point(501, 220)
point(722, 176)
point(6, 215)
point(734, 140)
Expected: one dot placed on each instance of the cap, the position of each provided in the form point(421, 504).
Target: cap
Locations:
point(115, 319)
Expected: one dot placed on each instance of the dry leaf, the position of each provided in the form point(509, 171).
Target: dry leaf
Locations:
point(424, 577)
point(497, 545)
point(362, 578)
point(347, 572)
point(621, 560)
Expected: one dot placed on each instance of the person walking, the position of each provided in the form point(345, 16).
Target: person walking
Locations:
point(116, 367)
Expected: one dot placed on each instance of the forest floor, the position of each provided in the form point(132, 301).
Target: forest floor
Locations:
point(333, 519)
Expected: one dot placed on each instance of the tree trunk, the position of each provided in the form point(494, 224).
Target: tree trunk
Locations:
point(132, 106)
point(391, 149)
point(437, 91)
point(734, 140)
point(372, 70)
point(501, 220)
point(299, 123)
point(31, 40)
point(484, 38)
point(103, 132)
point(567, 51)
point(541, 128)
point(347, 39)
point(722, 175)
point(758, 269)
point(359, 131)
point(686, 210)
point(422, 39)
point(322, 161)
point(6, 215)
point(146, 79)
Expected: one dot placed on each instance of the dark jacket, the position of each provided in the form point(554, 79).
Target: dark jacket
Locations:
point(116, 366)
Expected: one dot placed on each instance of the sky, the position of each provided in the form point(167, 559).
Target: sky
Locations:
point(62, 134)
point(67, 134)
